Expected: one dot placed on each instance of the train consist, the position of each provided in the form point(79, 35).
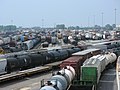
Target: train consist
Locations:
point(70, 69)
point(87, 65)
point(25, 60)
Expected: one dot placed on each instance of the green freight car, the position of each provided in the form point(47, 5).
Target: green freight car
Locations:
point(89, 74)
point(91, 70)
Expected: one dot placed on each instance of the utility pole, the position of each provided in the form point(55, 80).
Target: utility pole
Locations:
point(102, 19)
point(88, 21)
point(115, 16)
point(94, 20)
point(42, 23)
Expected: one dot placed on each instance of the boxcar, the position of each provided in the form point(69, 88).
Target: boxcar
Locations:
point(75, 62)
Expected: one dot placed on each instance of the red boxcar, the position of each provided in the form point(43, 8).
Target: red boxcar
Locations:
point(75, 62)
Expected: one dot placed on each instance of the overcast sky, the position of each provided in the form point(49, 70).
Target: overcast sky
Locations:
point(28, 13)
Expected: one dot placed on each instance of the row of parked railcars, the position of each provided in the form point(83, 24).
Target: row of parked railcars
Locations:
point(75, 61)
point(25, 60)
point(88, 65)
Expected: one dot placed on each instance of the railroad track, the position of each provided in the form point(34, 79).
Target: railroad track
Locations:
point(28, 72)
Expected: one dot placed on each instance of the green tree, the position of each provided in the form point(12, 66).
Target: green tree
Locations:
point(71, 28)
point(108, 27)
point(77, 27)
point(113, 26)
point(60, 26)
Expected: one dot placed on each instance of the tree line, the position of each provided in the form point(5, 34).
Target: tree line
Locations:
point(8, 28)
point(98, 27)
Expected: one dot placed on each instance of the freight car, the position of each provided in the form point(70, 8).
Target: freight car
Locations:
point(92, 69)
point(24, 60)
point(60, 81)
point(77, 59)
point(27, 45)
point(72, 63)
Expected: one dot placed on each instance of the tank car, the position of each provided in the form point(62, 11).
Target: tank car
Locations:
point(17, 63)
point(65, 39)
point(73, 42)
point(45, 44)
point(28, 44)
point(110, 58)
point(3, 64)
point(1, 42)
point(61, 80)
point(63, 54)
point(56, 55)
point(37, 59)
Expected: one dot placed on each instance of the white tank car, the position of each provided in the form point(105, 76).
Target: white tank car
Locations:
point(28, 44)
point(6, 40)
point(102, 61)
point(110, 58)
point(99, 62)
point(3, 64)
point(61, 80)
point(1, 42)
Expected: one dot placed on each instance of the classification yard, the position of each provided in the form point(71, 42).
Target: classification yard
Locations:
point(60, 62)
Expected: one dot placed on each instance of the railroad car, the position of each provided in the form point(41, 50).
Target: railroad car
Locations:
point(61, 80)
point(45, 44)
point(1, 42)
point(73, 42)
point(77, 59)
point(85, 54)
point(65, 39)
point(16, 37)
point(6, 40)
point(75, 62)
point(28, 44)
point(3, 64)
point(64, 54)
point(35, 41)
point(92, 68)
point(30, 59)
